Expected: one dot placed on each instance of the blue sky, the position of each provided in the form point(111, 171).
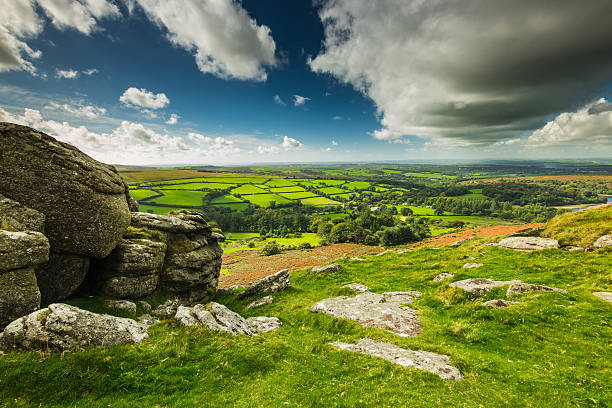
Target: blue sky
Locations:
point(221, 81)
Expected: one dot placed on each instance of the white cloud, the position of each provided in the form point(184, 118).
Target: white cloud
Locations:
point(299, 100)
point(88, 111)
point(225, 40)
point(337, 118)
point(134, 97)
point(173, 120)
point(474, 70)
point(334, 143)
point(587, 126)
point(278, 100)
point(268, 149)
point(81, 16)
point(290, 143)
point(210, 147)
point(91, 71)
point(67, 74)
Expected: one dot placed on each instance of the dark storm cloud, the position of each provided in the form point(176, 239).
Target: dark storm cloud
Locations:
point(477, 70)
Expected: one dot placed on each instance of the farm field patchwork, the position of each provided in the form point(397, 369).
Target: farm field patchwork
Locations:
point(225, 199)
point(139, 194)
point(298, 195)
point(264, 200)
point(319, 201)
point(248, 189)
point(181, 197)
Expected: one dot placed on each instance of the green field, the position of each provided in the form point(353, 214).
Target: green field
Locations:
point(291, 189)
point(356, 185)
point(421, 210)
point(248, 189)
point(225, 199)
point(159, 210)
point(263, 200)
point(332, 190)
point(196, 186)
point(550, 350)
point(141, 194)
point(181, 197)
point(280, 183)
point(236, 241)
point(298, 195)
point(319, 201)
point(429, 175)
point(234, 206)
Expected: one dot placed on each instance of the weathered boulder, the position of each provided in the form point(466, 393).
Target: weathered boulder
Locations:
point(369, 309)
point(264, 324)
point(528, 243)
point(83, 200)
point(603, 241)
point(335, 267)
point(357, 259)
point(120, 306)
point(442, 276)
point(61, 276)
point(499, 303)
point(20, 253)
point(422, 360)
point(519, 287)
point(15, 216)
point(193, 256)
point(272, 283)
point(607, 296)
point(472, 265)
point(479, 286)
point(62, 327)
point(461, 241)
point(144, 305)
point(133, 269)
point(266, 300)
point(167, 309)
point(356, 287)
point(216, 317)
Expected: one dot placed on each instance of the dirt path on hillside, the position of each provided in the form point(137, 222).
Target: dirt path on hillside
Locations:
point(244, 267)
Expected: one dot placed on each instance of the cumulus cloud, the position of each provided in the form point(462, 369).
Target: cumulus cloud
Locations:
point(217, 146)
point(337, 118)
point(79, 15)
point(476, 70)
point(20, 22)
point(268, 149)
point(91, 71)
point(134, 97)
point(66, 74)
point(278, 100)
point(224, 39)
point(88, 111)
point(299, 100)
point(290, 143)
point(334, 143)
point(592, 124)
point(173, 120)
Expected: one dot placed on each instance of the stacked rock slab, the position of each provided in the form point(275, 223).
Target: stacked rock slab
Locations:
point(192, 261)
point(84, 203)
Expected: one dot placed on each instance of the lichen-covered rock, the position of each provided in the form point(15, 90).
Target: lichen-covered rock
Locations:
point(216, 317)
point(356, 287)
point(120, 306)
point(373, 310)
point(607, 296)
point(442, 276)
point(264, 324)
point(479, 286)
point(22, 249)
point(335, 267)
point(167, 309)
point(528, 243)
point(422, 360)
point(193, 256)
point(517, 288)
point(272, 283)
point(603, 241)
point(15, 216)
point(61, 276)
point(266, 300)
point(19, 294)
point(144, 305)
point(472, 265)
point(499, 303)
point(84, 201)
point(133, 269)
point(62, 327)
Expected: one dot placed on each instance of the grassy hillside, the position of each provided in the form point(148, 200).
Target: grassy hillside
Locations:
point(551, 350)
point(580, 228)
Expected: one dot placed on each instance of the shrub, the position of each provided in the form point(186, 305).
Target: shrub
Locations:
point(271, 248)
point(251, 244)
point(304, 245)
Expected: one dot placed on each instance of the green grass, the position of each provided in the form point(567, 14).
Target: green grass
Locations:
point(241, 235)
point(551, 350)
point(332, 190)
point(580, 228)
point(429, 175)
point(141, 194)
point(331, 216)
point(181, 197)
point(248, 189)
point(356, 185)
point(196, 186)
point(280, 183)
point(421, 210)
point(263, 200)
point(234, 206)
point(298, 195)
point(225, 199)
point(319, 201)
point(292, 189)
point(433, 231)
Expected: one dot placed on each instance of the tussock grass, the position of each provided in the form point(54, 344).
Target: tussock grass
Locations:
point(551, 350)
point(580, 228)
